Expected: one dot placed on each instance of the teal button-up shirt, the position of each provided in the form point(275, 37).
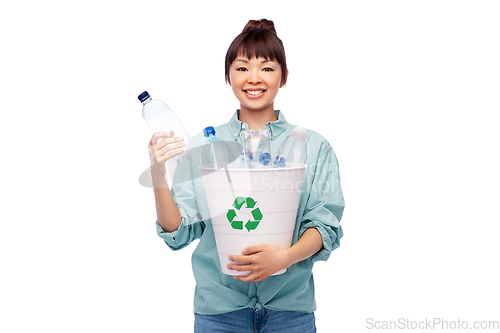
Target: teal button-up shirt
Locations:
point(321, 206)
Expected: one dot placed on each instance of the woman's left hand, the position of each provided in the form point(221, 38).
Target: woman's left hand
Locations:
point(262, 260)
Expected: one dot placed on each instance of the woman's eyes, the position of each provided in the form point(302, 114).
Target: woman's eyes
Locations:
point(266, 69)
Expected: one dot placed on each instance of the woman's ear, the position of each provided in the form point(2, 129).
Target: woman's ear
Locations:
point(286, 78)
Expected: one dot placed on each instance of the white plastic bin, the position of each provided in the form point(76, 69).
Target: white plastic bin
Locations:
point(258, 206)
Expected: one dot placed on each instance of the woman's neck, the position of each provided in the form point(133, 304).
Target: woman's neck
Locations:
point(257, 119)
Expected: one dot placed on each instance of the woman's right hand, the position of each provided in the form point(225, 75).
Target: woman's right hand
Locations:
point(161, 151)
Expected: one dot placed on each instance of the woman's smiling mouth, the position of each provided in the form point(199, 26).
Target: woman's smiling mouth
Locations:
point(254, 93)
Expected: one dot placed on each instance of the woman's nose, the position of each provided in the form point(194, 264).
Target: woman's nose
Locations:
point(254, 77)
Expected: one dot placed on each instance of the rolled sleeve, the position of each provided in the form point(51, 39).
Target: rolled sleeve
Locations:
point(330, 236)
point(189, 229)
point(325, 205)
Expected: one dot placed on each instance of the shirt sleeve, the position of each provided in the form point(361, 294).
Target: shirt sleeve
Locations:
point(183, 193)
point(325, 204)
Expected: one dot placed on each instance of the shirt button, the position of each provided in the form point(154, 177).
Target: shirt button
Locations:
point(274, 134)
point(243, 126)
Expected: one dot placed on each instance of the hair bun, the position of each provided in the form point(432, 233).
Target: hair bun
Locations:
point(260, 24)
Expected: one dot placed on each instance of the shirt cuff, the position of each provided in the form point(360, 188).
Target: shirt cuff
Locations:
point(175, 240)
point(331, 239)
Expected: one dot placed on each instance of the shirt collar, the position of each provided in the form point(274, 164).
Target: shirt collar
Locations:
point(275, 128)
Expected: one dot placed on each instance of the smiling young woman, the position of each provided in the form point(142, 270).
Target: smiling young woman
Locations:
point(255, 83)
point(255, 68)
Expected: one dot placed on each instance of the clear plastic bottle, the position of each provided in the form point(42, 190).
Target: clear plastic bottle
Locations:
point(294, 151)
point(242, 162)
point(215, 153)
point(257, 148)
point(160, 118)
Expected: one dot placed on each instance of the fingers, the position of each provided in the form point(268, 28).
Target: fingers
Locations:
point(168, 148)
point(162, 156)
point(244, 263)
point(239, 268)
point(164, 149)
point(248, 278)
point(157, 135)
point(161, 149)
point(252, 249)
point(166, 138)
point(241, 259)
point(247, 264)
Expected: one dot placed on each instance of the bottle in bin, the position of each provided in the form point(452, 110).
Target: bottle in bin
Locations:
point(257, 149)
point(294, 151)
point(215, 153)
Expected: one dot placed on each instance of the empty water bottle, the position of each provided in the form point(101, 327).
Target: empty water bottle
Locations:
point(257, 148)
point(160, 118)
point(294, 151)
point(241, 162)
point(215, 153)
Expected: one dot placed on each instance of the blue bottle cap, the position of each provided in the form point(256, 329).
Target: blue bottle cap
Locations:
point(264, 159)
point(279, 162)
point(208, 130)
point(143, 96)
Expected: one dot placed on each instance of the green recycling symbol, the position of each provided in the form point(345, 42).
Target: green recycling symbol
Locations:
point(232, 216)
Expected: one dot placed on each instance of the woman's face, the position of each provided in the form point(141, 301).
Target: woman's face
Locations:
point(255, 82)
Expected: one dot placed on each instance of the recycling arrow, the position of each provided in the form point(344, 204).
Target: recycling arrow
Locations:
point(236, 222)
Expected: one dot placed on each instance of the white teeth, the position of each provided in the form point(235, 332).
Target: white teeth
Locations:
point(254, 92)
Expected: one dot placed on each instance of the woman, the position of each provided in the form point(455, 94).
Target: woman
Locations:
point(256, 69)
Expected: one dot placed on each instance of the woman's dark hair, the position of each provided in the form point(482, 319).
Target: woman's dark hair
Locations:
point(258, 40)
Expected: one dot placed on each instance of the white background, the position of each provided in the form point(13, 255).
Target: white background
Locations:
point(407, 93)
